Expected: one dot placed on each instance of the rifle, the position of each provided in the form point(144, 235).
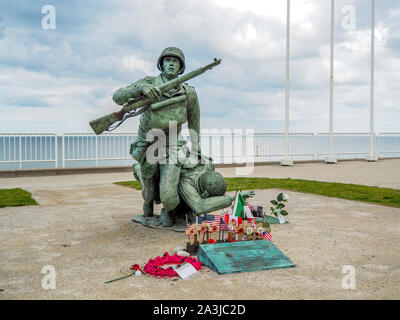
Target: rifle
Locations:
point(104, 123)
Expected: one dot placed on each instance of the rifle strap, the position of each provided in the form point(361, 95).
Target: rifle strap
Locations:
point(128, 115)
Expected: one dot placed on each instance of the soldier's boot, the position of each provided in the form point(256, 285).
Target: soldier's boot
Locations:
point(191, 216)
point(148, 209)
point(168, 218)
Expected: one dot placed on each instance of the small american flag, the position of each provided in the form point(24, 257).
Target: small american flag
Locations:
point(266, 235)
point(216, 220)
point(210, 219)
point(222, 224)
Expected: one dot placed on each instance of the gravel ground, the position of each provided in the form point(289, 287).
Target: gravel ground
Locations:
point(83, 229)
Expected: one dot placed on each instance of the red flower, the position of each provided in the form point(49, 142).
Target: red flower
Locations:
point(211, 241)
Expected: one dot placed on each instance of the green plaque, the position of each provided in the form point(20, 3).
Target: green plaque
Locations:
point(243, 256)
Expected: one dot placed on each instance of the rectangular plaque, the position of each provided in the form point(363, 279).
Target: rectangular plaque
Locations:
point(243, 256)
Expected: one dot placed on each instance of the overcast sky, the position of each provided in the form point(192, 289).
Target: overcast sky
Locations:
point(57, 80)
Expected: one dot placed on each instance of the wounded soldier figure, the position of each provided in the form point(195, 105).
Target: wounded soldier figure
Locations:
point(201, 189)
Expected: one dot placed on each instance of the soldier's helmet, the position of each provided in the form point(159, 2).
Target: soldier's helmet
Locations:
point(212, 184)
point(172, 52)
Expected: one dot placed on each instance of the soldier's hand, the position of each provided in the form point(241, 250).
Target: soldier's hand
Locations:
point(248, 194)
point(151, 91)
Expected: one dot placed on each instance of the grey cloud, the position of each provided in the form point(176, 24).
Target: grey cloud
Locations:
point(93, 38)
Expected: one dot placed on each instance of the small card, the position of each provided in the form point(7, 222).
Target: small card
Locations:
point(258, 211)
point(187, 271)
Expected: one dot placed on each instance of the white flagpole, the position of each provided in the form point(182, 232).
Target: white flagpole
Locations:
point(372, 156)
point(331, 158)
point(287, 161)
point(236, 203)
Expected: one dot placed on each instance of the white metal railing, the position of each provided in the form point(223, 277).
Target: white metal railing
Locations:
point(103, 148)
point(388, 143)
point(345, 145)
point(225, 146)
point(28, 148)
point(270, 146)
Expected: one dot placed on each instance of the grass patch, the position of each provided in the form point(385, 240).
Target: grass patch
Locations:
point(130, 184)
point(15, 197)
point(355, 192)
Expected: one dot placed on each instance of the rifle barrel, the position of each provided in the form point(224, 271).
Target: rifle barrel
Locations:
point(103, 123)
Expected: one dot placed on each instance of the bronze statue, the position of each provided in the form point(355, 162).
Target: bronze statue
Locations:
point(165, 166)
point(160, 181)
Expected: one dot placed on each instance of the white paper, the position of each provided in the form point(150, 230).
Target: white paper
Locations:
point(187, 271)
point(281, 218)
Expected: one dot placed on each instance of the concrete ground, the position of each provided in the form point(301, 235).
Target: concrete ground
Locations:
point(82, 227)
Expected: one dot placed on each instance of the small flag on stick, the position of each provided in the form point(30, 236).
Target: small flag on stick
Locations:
point(242, 208)
point(266, 235)
point(210, 219)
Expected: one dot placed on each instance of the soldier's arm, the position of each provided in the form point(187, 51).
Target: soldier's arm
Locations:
point(193, 114)
point(199, 205)
point(134, 90)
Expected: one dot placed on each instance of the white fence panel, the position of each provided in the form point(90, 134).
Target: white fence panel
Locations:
point(39, 149)
point(87, 149)
point(388, 144)
point(270, 146)
point(345, 145)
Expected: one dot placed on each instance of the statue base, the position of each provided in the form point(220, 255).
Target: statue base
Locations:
point(156, 221)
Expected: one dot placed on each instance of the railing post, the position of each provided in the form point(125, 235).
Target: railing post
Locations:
point(127, 148)
point(377, 146)
point(97, 160)
point(20, 152)
point(315, 143)
point(56, 150)
point(63, 151)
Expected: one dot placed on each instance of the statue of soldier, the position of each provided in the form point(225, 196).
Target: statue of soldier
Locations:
point(160, 180)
